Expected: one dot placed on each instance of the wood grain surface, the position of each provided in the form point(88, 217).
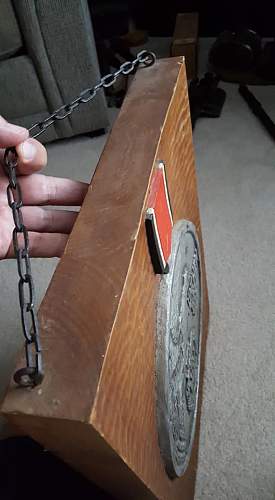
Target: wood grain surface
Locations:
point(98, 316)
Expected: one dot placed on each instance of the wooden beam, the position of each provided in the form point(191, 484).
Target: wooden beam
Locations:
point(96, 406)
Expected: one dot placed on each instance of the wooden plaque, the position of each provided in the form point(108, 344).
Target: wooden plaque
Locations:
point(96, 408)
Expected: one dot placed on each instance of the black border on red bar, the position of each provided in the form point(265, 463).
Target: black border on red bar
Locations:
point(153, 245)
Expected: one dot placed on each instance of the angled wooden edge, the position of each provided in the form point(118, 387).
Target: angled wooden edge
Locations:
point(130, 358)
point(80, 306)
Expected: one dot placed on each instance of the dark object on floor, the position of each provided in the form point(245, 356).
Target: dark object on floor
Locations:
point(205, 98)
point(111, 54)
point(258, 110)
point(110, 18)
point(28, 471)
point(135, 38)
point(114, 36)
point(240, 57)
point(266, 63)
point(185, 41)
point(236, 51)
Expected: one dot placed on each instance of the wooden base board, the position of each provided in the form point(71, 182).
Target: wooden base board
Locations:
point(96, 406)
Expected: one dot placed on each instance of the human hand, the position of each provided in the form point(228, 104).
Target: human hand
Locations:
point(48, 228)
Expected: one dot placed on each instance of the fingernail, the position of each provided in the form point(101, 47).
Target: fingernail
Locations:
point(28, 150)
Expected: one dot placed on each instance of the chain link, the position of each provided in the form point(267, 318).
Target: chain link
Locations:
point(32, 374)
point(144, 57)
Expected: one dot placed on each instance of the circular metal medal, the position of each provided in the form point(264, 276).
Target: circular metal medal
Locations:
point(178, 349)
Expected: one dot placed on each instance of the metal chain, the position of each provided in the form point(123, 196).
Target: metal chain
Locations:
point(32, 374)
point(144, 57)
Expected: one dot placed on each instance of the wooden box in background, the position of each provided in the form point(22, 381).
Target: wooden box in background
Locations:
point(185, 41)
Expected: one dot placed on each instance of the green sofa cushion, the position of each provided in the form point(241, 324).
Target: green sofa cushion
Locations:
point(10, 36)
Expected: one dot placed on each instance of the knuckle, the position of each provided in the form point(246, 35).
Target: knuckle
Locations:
point(50, 190)
point(36, 243)
point(48, 219)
